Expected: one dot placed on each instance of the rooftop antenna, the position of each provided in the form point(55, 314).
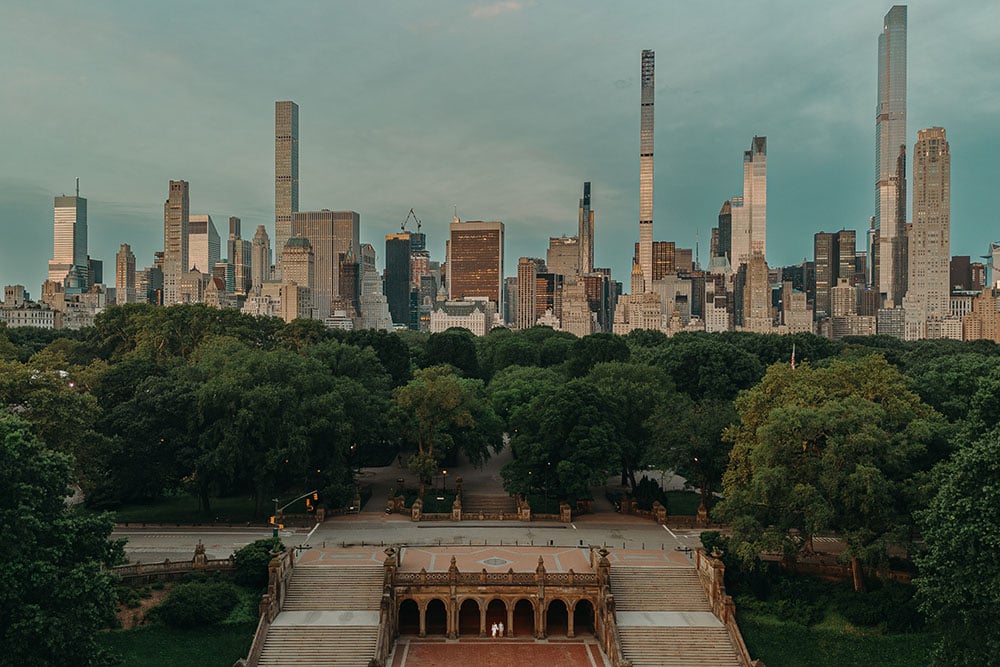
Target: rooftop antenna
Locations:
point(454, 208)
point(78, 187)
point(697, 252)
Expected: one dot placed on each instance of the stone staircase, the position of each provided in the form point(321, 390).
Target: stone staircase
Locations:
point(677, 647)
point(664, 619)
point(308, 646)
point(330, 616)
point(487, 504)
point(658, 589)
point(334, 588)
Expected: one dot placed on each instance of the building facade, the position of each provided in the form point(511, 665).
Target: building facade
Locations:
point(286, 170)
point(125, 275)
point(176, 217)
point(475, 261)
point(646, 118)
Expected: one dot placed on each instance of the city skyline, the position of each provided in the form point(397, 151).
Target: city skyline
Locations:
point(520, 161)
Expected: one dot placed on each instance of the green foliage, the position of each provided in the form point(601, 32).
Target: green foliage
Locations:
point(826, 449)
point(162, 646)
point(648, 491)
point(455, 347)
point(250, 562)
point(594, 349)
point(705, 366)
point(959, 582)
point(197, 604)
point(54, 593)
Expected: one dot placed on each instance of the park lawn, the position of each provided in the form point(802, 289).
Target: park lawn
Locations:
point(683, 503)
point(183, 509)
point(161, 646)
point(832, 643)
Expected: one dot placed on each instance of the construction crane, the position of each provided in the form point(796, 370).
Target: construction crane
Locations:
point(409, 215)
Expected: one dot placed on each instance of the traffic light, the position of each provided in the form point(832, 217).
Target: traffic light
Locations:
point(271, 521)
point(316, 496)
point(309, 505)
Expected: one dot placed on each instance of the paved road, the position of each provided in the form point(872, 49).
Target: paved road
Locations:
point(153, 544)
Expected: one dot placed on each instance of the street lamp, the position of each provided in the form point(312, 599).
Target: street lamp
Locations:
point(444, 480)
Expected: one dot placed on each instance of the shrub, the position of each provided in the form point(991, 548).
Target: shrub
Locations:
point(647, 491)
point(197, 604)
point(250, 563)
point(888, 604)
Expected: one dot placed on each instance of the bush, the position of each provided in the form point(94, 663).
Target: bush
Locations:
point(250, 563)
point(648, 491)
point(197, 604)
point(888, 604)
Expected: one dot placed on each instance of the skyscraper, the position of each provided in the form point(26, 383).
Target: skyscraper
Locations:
point(929, 245)
point(749, 212)
point(204, 243)
point(286, 171)
point(527, 293)
point(176, 216)
point(890, 160)
point(239, 250)
point(398, 276)
point(834, 260)
point(260, 257)
point(332, 234)
point(585, 235)
point(68, 266)
point(646, 168)
point(125, 275)
point(725, 234)
point(563, 256)
point(475, 261)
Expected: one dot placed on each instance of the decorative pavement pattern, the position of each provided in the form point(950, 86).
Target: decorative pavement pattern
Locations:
point(497, 653)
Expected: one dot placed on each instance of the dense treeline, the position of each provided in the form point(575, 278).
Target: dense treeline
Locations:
point(862, 439)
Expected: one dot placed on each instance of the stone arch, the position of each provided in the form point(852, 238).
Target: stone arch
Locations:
point(469, 618)
point(556, 618)
point(496, 612)
point(408, 617)
point(436, 617)
point(583, 617)
point(523, 624)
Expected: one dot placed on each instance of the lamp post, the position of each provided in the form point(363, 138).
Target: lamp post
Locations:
point(444, 480)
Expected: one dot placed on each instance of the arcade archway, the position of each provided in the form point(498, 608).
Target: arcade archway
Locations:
point(524, 619)
point(436, 618)
point(583, 617)
point(468, 618)
point(409, 618)
point(556, 619)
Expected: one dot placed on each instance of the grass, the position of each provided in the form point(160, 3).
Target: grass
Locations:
point(161, 646)
point(831, 643)
point(184, 509)
point(683, 503)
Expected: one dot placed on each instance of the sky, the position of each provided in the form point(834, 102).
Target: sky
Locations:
point(499, 110)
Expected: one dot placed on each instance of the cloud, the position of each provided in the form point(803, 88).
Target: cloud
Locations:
point(496, 9)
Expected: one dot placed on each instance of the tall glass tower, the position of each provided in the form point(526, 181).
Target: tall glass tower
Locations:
point(68, 266)
point(890, 161)
point(646, 169)
point(286, 172)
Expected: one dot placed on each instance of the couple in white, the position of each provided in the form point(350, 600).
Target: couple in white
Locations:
point(497, 630)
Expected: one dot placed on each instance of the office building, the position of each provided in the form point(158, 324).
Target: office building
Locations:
point(125, 275)
point(890, 156)
point(929, 287)
point(475, 261)
point(69, 266)
point(749, 212)
point(286, 170)
point(723, 234)
point(647, 96)
point(204, 244)
point(398, 276)
point(563, 256)
point(834, 257)
point(331, 234)
point(176, 217)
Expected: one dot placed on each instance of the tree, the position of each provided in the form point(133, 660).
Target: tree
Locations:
point(826, 449)
point(643, 389)
point(565, 442)
point(594, 349)
point(456, 347)
point(688, 439)
point(959, 580)
point(54, 594)
point(514, 387)
point(446, 411)
point(705, 366)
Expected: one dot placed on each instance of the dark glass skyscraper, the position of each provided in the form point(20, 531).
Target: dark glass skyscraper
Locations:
point(396, 281)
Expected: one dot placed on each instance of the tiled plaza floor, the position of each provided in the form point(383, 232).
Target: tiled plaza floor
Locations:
point(497, 653)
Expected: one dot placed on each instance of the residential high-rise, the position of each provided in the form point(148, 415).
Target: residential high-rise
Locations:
point(723, 244)
point(286, 171)
point(397, 278)
point(647, 96)
point(664, 261)
point(475, 261)
point(204, 244)
point(239, 252)
point(176, 217)
point(298, 262)
point(834, 260)
point(125, 275)
point(332, 234)
point(260, 257)
point(749, 212)
point(929, 243)
point(68, 267)
point(527, 293)
point(585, 235)
point(890, 161)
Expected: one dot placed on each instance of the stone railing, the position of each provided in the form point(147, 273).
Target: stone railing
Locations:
point(711, 572)
point(483, 577)
point(141, 570)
